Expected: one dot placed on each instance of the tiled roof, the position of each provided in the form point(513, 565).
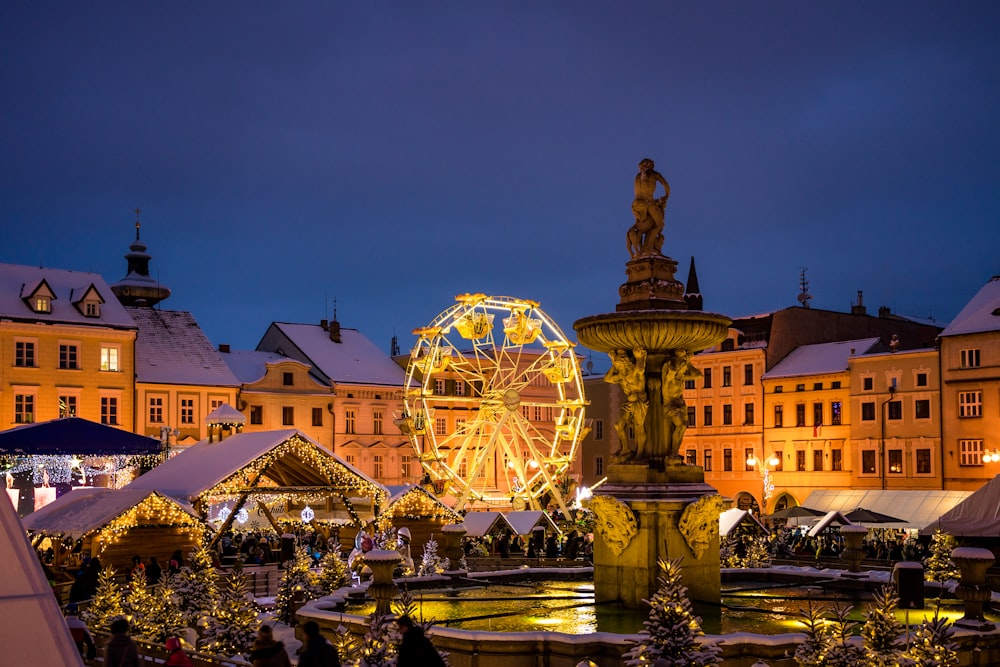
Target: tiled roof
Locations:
point(171, 348)
point(17, 281)
point(981, 314)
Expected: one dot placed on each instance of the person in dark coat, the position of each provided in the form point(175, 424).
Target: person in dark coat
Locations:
point(415, 650)
point(120, 650)
point(267, 652)
point(316, 651)
point(153, 571)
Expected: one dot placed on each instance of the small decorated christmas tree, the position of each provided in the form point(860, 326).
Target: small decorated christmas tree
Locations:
point(138, 603)
point(332, 572)
point(107, 605)
point(727, 551)
point(430, 564)
point(938, 566)
point(232, 629)
point(672, 630)
point(842, 651)
point(195, 586)
point(812, 652)
point(881, 630)
point(297, 584)
point(757, 554)
point(164, 618)
point(932, 645)
point(379, 646)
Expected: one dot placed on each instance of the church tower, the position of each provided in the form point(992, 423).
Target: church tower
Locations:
point(137, 288)
point(692, 293)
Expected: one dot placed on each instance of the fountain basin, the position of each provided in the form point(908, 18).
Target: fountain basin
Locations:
point(653, 330)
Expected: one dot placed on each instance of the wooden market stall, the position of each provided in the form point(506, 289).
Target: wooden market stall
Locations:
point(419, 511)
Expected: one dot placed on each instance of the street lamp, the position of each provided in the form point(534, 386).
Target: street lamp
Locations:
point(765, 468)
point(991, 456)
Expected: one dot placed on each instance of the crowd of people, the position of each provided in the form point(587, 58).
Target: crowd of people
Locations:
point(880, 544)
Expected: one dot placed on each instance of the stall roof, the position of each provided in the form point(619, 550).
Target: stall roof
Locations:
point(478, 524)
point(918, 507)
point(525, 521)
point(734, 517)
point(84, 510)
point(74, 435)
point(976, 516)
point(830, 518)
point(427, 499)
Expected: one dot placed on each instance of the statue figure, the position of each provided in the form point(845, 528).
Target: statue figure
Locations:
point(676, 370)
point(646, 235)
point(631, 376)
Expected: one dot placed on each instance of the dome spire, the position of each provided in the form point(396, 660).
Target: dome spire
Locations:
point(138, 288)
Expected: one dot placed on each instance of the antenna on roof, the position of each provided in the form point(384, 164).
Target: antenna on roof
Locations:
point(804, 295)
point(137, 225)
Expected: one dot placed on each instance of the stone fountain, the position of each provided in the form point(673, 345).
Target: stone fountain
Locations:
point(653, 504)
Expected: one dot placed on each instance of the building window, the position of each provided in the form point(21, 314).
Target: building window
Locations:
point(287, 415)
point(727, 460)
point(92, 309)
point(836, 413)
point(692, 457)
point(538, 413)
point(748, 415)
point(256, 414)
point(836, 459)
point(349, 419)
point(317, 414)
point(748, 457)
point(440, 386)
point(921, 379)
point(24, 354)
point(68, 357)
point(24, 408)
point(971, 452)
point(707, 458)
point(895, 461)
point(215, 404)
point(727, 414)
point(779, 416)
point(747, 374)
point(817, 386)
point(187, 410)
point(817, 414)
point(818, 459)
point(800, 387)
point(707, 378)
point(727, 376)
point(868, 384)
point(835, 384)
point(800, 460)
point(800, 414)
point(598, 429)
point(404, 466)
point(970, 358)
point(350, 459)
point(377, 467)
point(109, 358)
point(67, 406)
point(922, 408)
point(868, 462)
point(707, 417)
point(440, 426)
point(377, 422)
point(923, 461)
point(109, 410)
point(155, 409)
point(970, 403)
point(779, 389)
point(459, 425)
point(460, 387)
point(43, 304)
point(689, 384)
point(598, 465)
point(288, 379)
point(692, 416)
point(780, 459)
point(895, 410)
point(867, 412)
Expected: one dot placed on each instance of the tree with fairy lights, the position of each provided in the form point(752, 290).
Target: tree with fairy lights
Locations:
point(842, 649)
point(939, 566)
point(107, 605)
point(164, 617)
point(297, 584)
point(430, 564)
point(672, 630)
point(232, 629)
point(881, 630)
point(812, 652)
point(932, 645)
point(332, 571)
point(195, 586)
point(379, 646)
point(138, 603)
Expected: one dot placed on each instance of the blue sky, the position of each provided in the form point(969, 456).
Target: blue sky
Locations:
point(392, 155)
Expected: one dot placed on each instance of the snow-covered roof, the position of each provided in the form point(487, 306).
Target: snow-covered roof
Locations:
point(478, 524)
point(734, 517)
point(33, 631)
point(16, 283)
point(250, 366)
point(820, 358)
point(830, 518)
point(978, 515)
point(171, 348)
point(397, 492)
point(525, 521)
point(354, 360)
point(226, 414)
point(981, 314)
point(918, 507)
point(205, 465)
point(84, 510)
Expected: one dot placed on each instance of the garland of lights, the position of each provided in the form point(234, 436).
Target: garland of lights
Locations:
point(155, 511)
point(62, 468)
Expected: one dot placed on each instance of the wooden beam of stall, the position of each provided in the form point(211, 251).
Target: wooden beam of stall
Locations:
point(224, 528)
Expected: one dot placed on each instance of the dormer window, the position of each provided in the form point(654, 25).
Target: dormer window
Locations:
point(43, 304)
point(38, 297)
point(88, 301)
point(92, 309)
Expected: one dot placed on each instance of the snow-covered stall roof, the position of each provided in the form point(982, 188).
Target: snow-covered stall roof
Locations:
point(74, 435)
point(85, 510)
point(976, 516)
point(830, 518)
point(525, 521)
point(734, 517)
point(171, 348)
point(283, 460)
point(478, 524)
point(410, 500)
point(918, 507)
point(225, 414)
point(33, 631)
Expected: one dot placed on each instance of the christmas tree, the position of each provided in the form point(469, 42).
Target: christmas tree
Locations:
point(939, 566)
point(195, 586)
point(672, 630)
point(757, 554)
point(164, 618)
point(812, 652)
point(332, 572)
point(932, 645)
point(107, 605)
point(378, 648)
point(727, 551)
point(881, 630)
point(430, 564)
point(232, 629)
point(842, 651)
point(138, 603)
point(297, 584)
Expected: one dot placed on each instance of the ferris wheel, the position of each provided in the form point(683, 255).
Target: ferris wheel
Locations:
point(494, 403)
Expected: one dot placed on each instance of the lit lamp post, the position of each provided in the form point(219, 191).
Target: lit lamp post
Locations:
point(765, 468)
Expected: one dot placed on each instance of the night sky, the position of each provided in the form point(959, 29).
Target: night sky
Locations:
point(392, 155)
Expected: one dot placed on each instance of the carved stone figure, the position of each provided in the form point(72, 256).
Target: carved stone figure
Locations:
point(676, 371)
point(631, 377)
point(646, 235)
point(615, 522)
point(699, 523)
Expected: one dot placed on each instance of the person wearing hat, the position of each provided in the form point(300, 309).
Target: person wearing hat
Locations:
point(81, 633)
point(316, 651)
point(177, 657)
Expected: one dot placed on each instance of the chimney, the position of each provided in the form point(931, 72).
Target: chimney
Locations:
point(324, 325)
point(224, 348)
point(335, 331)
point(883, 311)
point(859, 307)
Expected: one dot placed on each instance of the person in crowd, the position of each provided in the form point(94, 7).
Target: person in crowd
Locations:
point(136, 569)
point(153, 571)
point(415, 650)
point(316, 651)
point(120, 650)
point(177, 657)
point(175, 563)
point(81, 633)
point(267, 652)
point(85, 585)
point(551, 546)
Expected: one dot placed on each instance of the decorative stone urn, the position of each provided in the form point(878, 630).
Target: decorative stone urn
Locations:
point(453, 534)
point(854, 552)
point(383, 588)
point(972, 589)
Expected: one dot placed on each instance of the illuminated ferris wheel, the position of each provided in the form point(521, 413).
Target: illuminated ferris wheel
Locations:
point(494, 403)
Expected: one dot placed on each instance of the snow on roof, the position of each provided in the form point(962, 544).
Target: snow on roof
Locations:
point(17, 281)
point(84, 510)
point(820, 358)
point(525, 521)
point(734, 517)
point(981, 314)
point(250, 366)
point(355, 360)
point(33, 631)
point(171, 348)
point(225, 414)
point(478, 524)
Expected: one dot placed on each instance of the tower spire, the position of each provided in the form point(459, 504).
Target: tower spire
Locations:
point(692, 293)
point(138, 288)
